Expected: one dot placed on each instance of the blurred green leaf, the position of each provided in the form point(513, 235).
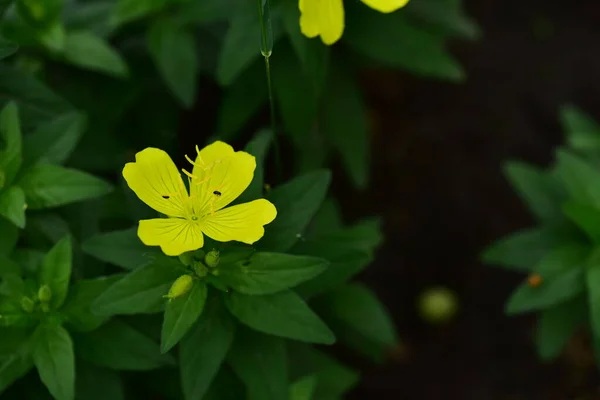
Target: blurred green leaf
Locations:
point(130, 10)
point(56, 271)
point(304, 388)
point(39, 12)
point(583, 133)
point(562, 276)
point(585, 217)
point(540, 190)
point(77, 308)
point(10, 143)
point(54, 141)
point(95, 383)
point(267, 273)
point(396, 42)
point(556, 325)
point(592, 280)
point(282, 314)
point(226, 386)
point(142, 290)
point(12, 205)
point(328, 219)
point(445, 17)
point(581, 179)
point(9, 234)
point(122, 248)
point(296, 201)
point(90, 16)
point(43, 230)
point(260, 362)
point(203, 12)
point(48, 186)
point(89, 51)
point(4, 4)
point(7, 48)
point(116, 345)
point(258, 147)
point(55, 361)
point(198, 361)
point(181, 313)
point(173, 50)
point(15, 355)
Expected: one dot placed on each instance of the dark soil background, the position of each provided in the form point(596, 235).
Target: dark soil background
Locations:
point(437, 181)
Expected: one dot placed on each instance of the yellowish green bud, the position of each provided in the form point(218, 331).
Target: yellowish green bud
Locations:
point(212, 258)
point(27, 304)
point(181, 286)
point(44, 294)
point(438, 305)
point(186, 259)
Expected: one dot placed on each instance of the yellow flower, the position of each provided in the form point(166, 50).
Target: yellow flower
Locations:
point(218, 177)
point(325, 18)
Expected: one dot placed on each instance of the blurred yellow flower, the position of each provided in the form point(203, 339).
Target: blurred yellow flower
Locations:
point(325, 18)
point(218, 177)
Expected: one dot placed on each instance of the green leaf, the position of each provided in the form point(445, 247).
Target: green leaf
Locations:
point(86, 50)
point(258, 147)
point(556, 325)
point(122, 248)
point(54, 141)
point(10, 143)
point(539, 189)
point(583, 133)
point(116, 345)
point(523, 250)
point(12, 205)
point(225, 386)
point(95, 383)
point(181, 313)
point(48, 186)
point(562, 279)
point(9, 234)
point(297, 202)
point(358, 317)
point(200, 361)
point(260, 362)
point(282, 314)
point(445, 17)
point(15, 355)
point(592, 279)
point(81, 296)
point(334, 379)
point(45, 229)
point(585, 217)
point(56, 271)
point(7, 48)
point(54, 359)
point(140, 291)
point(173, 50)
point(267, 273)
point(580, 178)
point(406, 45)
point(304, 388)
point(344, 124)
point(130, 10)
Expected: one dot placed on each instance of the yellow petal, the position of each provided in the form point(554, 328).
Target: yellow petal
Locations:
point(221, 175)
point(175, 236)
point(330, 16)
point(385, 6)
point(243, 222)
point(155, 180)
point(308, 17)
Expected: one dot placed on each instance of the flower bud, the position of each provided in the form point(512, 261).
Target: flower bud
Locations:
point(181, 286)
point(186, 259)
point(27, 304)
point(212, 258)
point(437, 305)
point(44, 294)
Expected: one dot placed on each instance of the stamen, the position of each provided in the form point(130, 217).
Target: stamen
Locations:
point(189, 174)
point(203, 180)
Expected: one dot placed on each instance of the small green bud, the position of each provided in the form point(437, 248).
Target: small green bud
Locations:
point(438, 305)
point(212, 258)
point(181, 286)
point(44, 294)
point(186, 259)
point(27, 304)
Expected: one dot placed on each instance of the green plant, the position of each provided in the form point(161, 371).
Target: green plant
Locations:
point(560, 254)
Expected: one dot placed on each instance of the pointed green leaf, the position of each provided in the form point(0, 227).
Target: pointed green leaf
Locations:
point(140, 291)
point(260, 362)
point(55, 361)
point(116, 345)
point(556, 325)
point(54, 141)
point(444, 16)
point(10, 144)
point(56, 271)
point(282, 314)
point(173, 50)
point(580, 178)
point(181, 313)
point(15, 355)
point(131, 10)
point(586, 217)
point(583, 133)
point(86, 50)
point(297, 202)
point(267, 273)
point(122, 248)
point(12, 205)
point(48, 186)
point(203, 350)
point(304, 388)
